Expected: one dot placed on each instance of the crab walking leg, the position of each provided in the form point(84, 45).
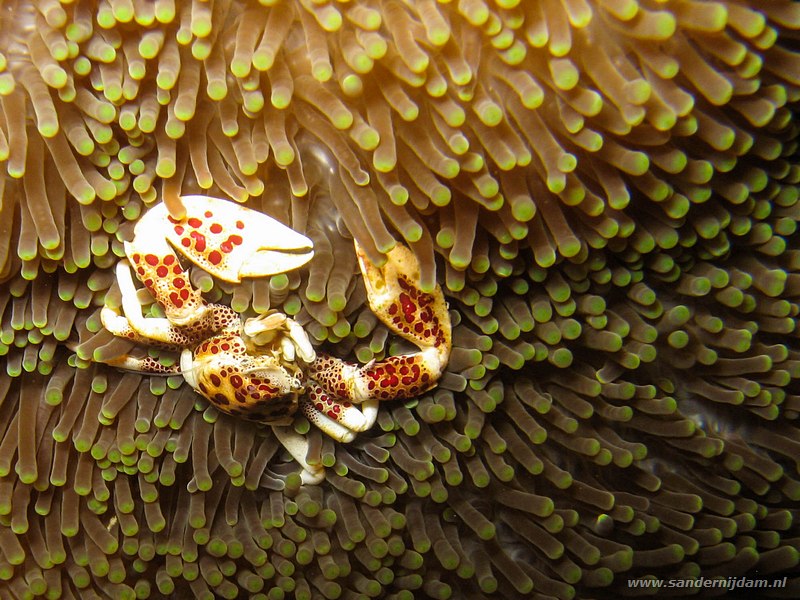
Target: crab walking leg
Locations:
point(297, 446)
point(420, 317)
point(146, 364)
point(168, 336)
point(121, 327)
point(151, 330)
point(339, 419)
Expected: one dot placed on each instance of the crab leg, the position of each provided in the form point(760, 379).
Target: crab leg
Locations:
point(158, 268)
point(297, 446)
point(339, 419)
point(120, 326)
point(161, 331)
point(147, 328)
point(146, 364)
point(420, 317)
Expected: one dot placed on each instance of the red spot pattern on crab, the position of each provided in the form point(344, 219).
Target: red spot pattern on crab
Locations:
point(221, 344)
point(225, 316)
point(176, 300)
point(255, 397)
point(264, 386)
point(199, 240)
point(228, 245)
point(394, 377)
point(397, 377)
point(413, 314)
point(327, 372)
point(333, 409)
point(165, 278)
point(196, 237)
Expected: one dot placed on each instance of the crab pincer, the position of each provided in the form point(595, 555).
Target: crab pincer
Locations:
point(219, 236)
point(420, 317)
point(225, 239)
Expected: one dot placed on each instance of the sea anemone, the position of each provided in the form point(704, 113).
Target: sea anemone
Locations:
point(607, 191)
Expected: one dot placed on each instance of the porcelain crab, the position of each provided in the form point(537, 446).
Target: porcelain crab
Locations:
point(265, 368)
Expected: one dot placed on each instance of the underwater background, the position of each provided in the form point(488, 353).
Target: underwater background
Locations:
point(607, 191)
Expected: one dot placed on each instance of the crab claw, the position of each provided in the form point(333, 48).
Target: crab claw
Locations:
point(232, 241)
point(422, 318)
point(396, 298)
